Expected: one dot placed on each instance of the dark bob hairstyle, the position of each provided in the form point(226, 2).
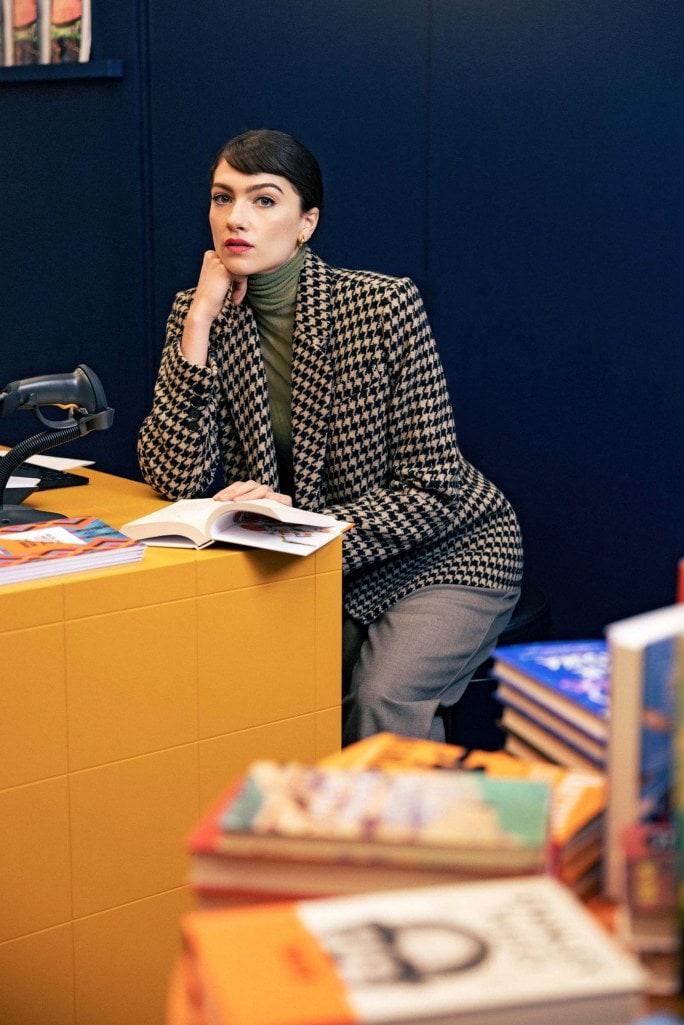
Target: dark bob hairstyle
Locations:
point(266, 151)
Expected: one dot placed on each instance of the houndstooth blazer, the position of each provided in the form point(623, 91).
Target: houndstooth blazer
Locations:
point(373, 435)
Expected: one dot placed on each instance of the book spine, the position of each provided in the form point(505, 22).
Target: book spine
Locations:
point(558, 749)
point(593, 747)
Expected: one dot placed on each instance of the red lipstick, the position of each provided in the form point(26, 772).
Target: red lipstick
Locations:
point(238, 245)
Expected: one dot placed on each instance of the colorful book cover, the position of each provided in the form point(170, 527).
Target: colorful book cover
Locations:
point(571, 677)
point(578, 798)
point(29, 551)
point(504, 950)
point(645, 666)
point(460, 822)
point(440, 810)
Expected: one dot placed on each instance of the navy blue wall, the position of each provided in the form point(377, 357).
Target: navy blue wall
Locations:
point(521, 161)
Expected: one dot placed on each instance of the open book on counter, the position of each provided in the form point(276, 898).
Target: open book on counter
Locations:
point(257, 523)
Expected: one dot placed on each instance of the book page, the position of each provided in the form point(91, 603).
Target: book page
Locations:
point(253, 530)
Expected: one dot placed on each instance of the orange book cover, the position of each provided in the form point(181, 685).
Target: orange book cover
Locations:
point(261, 965)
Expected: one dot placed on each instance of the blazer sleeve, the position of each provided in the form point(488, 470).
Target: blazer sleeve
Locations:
point(421, 498)
point(178, 447)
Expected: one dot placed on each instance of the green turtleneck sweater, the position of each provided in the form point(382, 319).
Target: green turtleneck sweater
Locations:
point(273, 297)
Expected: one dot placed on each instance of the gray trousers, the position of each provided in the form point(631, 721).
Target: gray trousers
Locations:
point(418, 655)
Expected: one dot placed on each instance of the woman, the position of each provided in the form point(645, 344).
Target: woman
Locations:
point(323, 387)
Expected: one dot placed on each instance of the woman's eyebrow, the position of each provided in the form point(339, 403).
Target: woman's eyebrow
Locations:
point(264, 185)
point(250, 188)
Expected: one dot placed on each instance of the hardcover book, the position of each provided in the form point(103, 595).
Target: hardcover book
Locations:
point(299, 829)
point(70, 545)
point(485, 953)
point(645, 663)
point(512, 698)
point(258, 523)
point(568, 678)
point(549, 743)
point(577, 798)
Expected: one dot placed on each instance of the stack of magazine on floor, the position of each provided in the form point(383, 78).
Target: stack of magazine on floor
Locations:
point(555, 698)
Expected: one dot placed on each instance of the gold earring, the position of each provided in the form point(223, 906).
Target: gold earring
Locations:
point(301, 240)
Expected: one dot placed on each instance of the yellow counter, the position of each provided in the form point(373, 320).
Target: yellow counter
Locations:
point(129, 698)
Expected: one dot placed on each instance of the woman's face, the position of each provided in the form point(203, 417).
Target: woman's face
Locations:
point(256, 220)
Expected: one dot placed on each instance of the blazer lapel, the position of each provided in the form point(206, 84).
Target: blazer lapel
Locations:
point(312, 381)
point(247, 393)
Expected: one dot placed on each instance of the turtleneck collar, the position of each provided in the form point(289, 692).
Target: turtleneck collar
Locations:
point(278, 288)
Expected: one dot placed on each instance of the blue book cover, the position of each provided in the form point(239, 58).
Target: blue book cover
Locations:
point(575, 674)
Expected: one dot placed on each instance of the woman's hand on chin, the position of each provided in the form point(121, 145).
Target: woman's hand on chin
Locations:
point(215, 283)
point(250, 489)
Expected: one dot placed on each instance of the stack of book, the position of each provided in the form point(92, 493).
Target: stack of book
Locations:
point(555, 697)
point(287, 831)
point(578, 798)
point(518, 950)
point(350, 824)
point(29, 551)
